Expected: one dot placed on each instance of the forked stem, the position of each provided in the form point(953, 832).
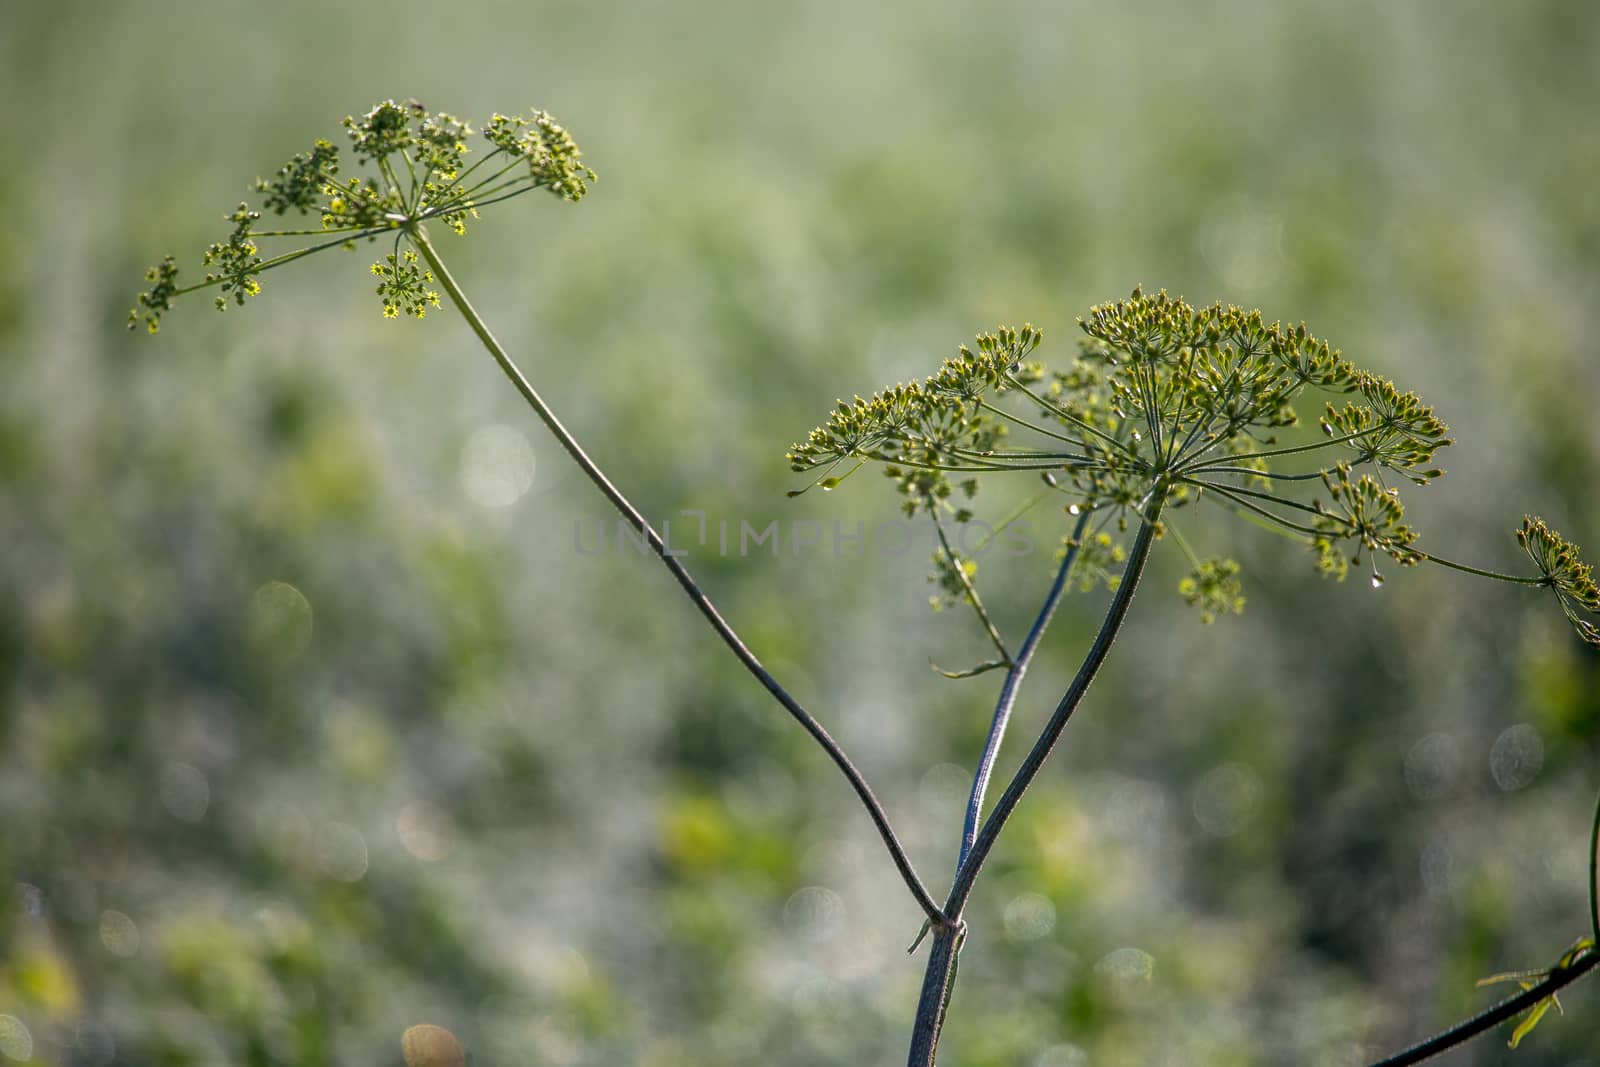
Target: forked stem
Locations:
point(938, 980)
point(1012, 684)
point(632, 516)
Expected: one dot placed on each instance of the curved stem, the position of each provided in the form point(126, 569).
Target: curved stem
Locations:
point(1067, 416)
point(1312, 447)
point(880, 819)
point(1031, 764)
point(1036, 428)
point(1559, 978)
point(1226, 468)
point(1480, 572)
point(938, 985)
point(1594, 876)
point(1234, 494)
point(1008, 691)
point(939, 978)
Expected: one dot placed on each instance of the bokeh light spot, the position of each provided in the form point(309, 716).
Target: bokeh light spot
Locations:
point(1226, 799)
point(423, 832)
point(1516, 757)
point(497, 466)
point(341, 852)
point(427, 1045)
point(815, 913)
point(280, 623)
point(185, 792)
point(15, 1041)
point(1126, 970)
point(1029, 917)
point(119, 934)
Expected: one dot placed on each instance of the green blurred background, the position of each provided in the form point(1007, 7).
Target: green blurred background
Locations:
point(314, 726)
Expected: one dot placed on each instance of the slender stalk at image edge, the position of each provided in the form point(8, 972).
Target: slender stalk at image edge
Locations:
point(1558, 978)
point(880, 818)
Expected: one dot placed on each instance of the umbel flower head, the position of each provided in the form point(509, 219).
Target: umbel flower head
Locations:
point(414, 167)
point(1164, 405)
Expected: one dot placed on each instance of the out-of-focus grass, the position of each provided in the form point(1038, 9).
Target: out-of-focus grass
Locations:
point(474, 778)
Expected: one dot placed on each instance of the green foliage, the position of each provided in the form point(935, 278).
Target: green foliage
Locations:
point(418, 170)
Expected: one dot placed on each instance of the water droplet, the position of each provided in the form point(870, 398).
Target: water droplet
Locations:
point(1073, 509)
point(1137, 436)
point(1377, 579)
point(1049, 479)
point(829, 484)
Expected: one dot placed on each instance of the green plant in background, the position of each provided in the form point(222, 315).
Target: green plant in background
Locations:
point(1166, 407)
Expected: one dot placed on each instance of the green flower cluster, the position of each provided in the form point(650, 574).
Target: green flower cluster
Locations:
point(1214, 586)
point(238, 260)
point(405, 286)
point(1571, 580)
point(416, 168)
point(1167, 404)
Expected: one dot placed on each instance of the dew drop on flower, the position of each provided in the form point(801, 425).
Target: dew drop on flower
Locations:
point(1073, 509)
point(829, 484)
point(1377, 579)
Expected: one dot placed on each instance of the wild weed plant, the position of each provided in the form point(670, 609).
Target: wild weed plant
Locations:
point(1164, 408)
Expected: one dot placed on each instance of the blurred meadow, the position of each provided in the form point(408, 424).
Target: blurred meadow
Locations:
point(316, 725)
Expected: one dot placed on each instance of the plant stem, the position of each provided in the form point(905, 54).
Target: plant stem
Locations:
point(1594, 876)
point(967, 588)
point(938, 985)
point(1008, 691)
point(1559, 978)
point(938, 979)
point(880, 818)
